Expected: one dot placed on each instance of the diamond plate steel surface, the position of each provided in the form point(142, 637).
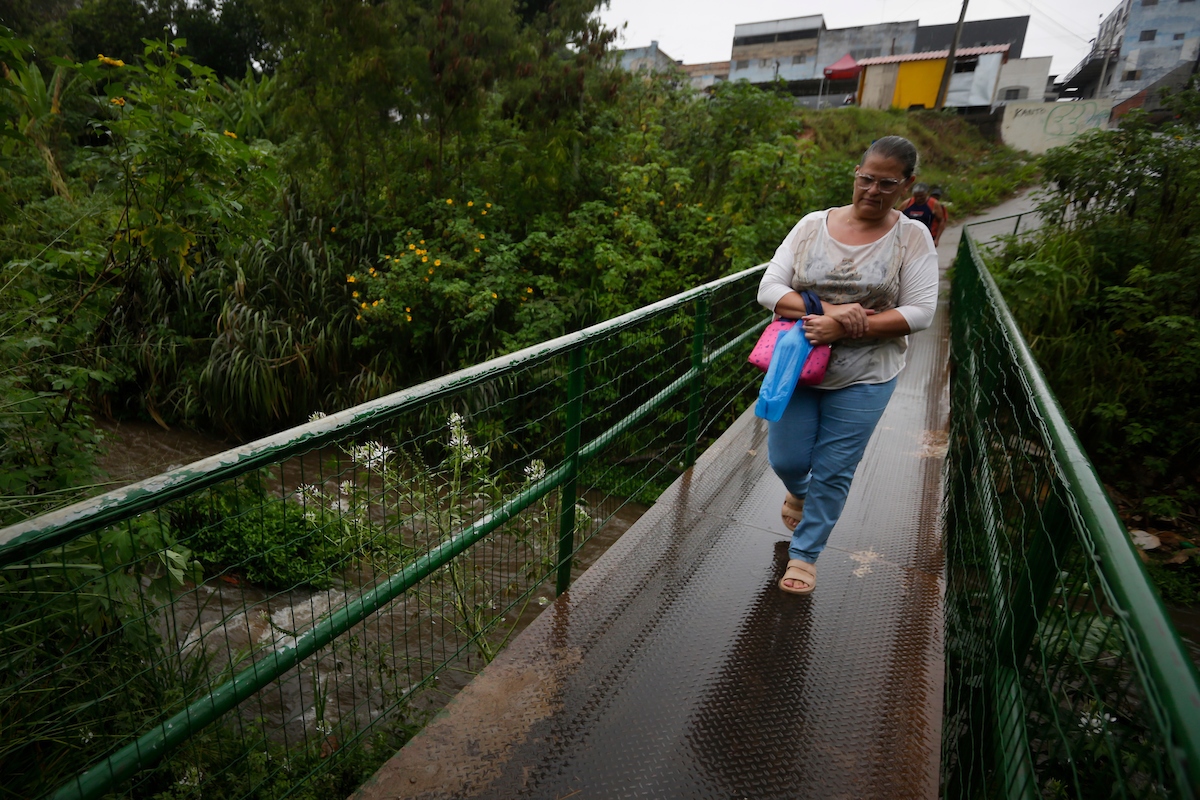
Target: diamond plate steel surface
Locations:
point(675, 668)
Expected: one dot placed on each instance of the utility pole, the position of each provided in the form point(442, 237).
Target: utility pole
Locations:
point(949, 70)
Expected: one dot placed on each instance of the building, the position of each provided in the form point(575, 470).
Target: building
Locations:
point(706, 76)
point(1140, 45)
point(980, 33)
point(797, 51)
point(650, 59)
point(1025, 79)
point(913, 80)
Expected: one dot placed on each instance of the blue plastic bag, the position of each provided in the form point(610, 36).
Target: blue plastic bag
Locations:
point(791, 349)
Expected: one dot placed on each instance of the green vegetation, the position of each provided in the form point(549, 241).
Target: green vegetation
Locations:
point(323, 215)
point(1108, 298)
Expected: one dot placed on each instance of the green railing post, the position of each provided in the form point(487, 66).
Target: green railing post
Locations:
point(698, 336)
point(570, 489)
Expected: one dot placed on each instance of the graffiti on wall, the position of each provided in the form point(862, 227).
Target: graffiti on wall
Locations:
point(1039, 126)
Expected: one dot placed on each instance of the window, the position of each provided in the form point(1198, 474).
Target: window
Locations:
point(1179, 36)
point(764, 62)
point(1132, 75)
point(742, 65)
point(965, 65)
point(799, 59)
point(1014, 94)
point(1148, 36)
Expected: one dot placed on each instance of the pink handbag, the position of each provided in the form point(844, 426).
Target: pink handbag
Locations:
point(813, 371)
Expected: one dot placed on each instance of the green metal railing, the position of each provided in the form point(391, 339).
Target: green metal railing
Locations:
point(1064, 675)
point(283, 615)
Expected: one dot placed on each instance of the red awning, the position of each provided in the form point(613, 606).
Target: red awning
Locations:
point(843, 69)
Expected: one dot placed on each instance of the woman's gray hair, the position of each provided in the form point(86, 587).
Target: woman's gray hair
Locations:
point(897, 148)
point(920, 188)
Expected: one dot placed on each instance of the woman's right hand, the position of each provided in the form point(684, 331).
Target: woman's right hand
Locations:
point(851, 316)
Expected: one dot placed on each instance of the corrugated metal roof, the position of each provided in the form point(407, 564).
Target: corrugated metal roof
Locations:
point(931, 55)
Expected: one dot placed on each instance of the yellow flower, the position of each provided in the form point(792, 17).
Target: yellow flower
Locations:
point(354, 294)
point(493, 295)
point(414, 247)
point(484, 213)
point(117, 101)
point(408, 317)
point(449, 202)
point(437, 262)
point(481, 236)
point(709, 219)
point(350, 279)
point(489, 205)
point(111, 62)
point(422, 241)
point(427, 279)
point(424, 259)
point(374, 303)
point(529, 289)
point(406, 308)
point(358, 316)
point(364, 305)
point(372, 270)
point(476, 249)
point(470, 203)
point(233, 135)
point(660, 202)
point(431, 270)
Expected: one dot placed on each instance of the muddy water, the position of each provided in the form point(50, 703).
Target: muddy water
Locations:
point(365, 673)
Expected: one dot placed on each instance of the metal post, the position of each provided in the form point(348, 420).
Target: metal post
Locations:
point(948, 70)
point(570, 488)
point(698, 336)
point(1017, 225)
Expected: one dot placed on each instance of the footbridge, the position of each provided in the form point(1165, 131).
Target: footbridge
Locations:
point(433, 595)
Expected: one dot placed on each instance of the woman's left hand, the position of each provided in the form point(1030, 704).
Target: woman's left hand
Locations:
point(822, 329)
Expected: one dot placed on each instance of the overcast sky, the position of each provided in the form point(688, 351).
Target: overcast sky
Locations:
point(696, 31)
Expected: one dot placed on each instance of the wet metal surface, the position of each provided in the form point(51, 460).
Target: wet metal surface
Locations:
point(674, 668)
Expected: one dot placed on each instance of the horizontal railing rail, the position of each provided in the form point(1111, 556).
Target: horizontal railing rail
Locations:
point(1065, 676)
point(459, 555)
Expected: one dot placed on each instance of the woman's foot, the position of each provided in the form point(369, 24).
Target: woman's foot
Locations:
point(800, 577)
point(793, 510)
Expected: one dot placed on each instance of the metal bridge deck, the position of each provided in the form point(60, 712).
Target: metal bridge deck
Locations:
point(674, 667)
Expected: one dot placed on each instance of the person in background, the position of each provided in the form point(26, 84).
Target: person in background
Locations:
point(919, 207)
point(876, 274)
point(942, 212)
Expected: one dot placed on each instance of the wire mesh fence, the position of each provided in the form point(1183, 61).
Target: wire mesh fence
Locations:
point(1064, 677)
point(278, 619)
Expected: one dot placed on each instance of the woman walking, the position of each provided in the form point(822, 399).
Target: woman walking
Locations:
point(875, 272)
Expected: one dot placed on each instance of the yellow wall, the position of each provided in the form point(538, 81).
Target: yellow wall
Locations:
point(917, 83)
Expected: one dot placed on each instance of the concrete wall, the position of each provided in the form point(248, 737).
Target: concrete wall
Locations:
point(868, 41)
point(1025, 75)
point(1037, 127)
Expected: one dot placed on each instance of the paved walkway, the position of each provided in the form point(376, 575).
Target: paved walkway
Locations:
point(675, 668)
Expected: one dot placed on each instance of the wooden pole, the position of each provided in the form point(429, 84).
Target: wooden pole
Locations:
point(949, 69)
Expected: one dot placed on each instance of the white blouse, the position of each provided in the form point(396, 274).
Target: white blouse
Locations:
point(898, 270)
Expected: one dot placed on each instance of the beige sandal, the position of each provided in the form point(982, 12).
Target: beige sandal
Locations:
point(793, 510)
point(799, 572)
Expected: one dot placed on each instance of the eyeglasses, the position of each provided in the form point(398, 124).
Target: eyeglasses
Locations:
point(886, 185)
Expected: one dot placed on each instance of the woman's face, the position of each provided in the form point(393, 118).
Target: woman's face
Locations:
point(873, 202)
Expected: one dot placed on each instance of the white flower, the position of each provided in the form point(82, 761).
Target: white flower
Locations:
point(371, 455)
point(1094, 723)
point(316, 415)
point(306, 492)
point(535, 471)
point(346, 487)
point(324, 727)
point(460, 445)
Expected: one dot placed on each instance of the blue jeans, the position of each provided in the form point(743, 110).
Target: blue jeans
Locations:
point(815, 448)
